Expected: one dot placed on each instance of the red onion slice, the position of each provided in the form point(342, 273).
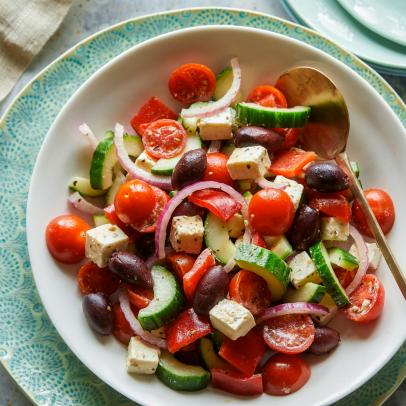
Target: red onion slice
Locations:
point(135, 324)
point(214, 146)
point(265, 183)
point(81, 204)
point(362, 258)
point(292, 308)
point(222, 103)
point(91, 138)
point(163, 182)
point(166, 214)
point(229, 266)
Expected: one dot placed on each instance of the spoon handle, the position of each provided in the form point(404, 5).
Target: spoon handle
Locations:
point(343, 161)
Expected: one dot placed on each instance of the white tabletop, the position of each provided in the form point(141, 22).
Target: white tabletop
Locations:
point(89, 16)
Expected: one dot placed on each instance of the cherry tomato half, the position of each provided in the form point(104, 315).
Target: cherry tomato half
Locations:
point(92, 279)
point(134, 202)
point(271, 211)
point(66, 238)
point(366, 302)
point(164, 138)
point(216, 168)
point(192, 82)
point(250, 290)
point(290, 334)
point(149, 225)
point(267, 96)
point(284, 374)
point(381, 205)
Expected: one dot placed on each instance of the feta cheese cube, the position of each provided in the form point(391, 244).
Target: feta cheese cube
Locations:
point(235, 226)
point(142, 357)
point(102, 241)
point(334, 229)
point(217, 127)
point(248, 162)
point(231, 319)
point(187, 234)
point(374, 254)
point(145, 162)
point(303, 270)
point(293, 189)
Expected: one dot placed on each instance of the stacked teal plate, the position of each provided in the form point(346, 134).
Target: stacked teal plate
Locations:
point(373, 30)
point(30, 348)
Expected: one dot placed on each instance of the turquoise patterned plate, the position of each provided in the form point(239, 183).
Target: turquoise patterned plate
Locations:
point(30, 349)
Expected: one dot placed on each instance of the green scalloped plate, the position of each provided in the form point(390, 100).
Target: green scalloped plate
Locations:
point(30, 348)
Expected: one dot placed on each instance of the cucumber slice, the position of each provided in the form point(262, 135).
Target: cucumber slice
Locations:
point(217, 339)
point(272, 117)
point(117, 182)
point(105, 157)
point(172, 193)
point(266, 264)
point(321, 259)
point(343, 259)
point(179, 376)
point(166, 166)
point(281, 247)
point(223, 83)
point(190, 123)
point(82, 185)
point(167, 302)
point(247, 196)
point(209, 355)
point(310, 292)
point(99, 220)
point(355, 168)
point(217, 239)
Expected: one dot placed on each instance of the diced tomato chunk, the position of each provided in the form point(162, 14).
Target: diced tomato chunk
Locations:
point(153, 109)
point(92, 279)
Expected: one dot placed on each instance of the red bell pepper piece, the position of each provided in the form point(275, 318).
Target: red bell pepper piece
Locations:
point(245, 353)
point(333, 205)
point(235, 382)
point(139, 297)
point(180, 264)
point(221, 204)
point(186, 329)
point(122, 329)
point(290, 163)
point(256, 239)
point(192, 278)
point(153, 109)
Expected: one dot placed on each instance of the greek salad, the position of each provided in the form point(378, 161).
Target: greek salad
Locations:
point(219, 250)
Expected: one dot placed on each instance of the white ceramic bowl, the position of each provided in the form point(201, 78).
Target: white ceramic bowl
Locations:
point(113, 94)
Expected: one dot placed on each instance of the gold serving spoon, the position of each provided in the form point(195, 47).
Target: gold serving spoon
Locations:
point(327, 133)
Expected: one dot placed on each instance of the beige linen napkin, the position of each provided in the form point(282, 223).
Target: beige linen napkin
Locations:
point(25, 27)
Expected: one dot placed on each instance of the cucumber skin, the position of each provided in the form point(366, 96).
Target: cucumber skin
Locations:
point(156, 319)
point(186, 383)
point(102, 154)
point(248, 256)
point(210, 358)
point(327, 274)
point(271, 118)
point(343, 259)
point(317, 296)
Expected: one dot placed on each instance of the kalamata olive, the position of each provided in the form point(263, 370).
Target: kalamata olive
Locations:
point(325, 339)
point(189, 209)
point(130, 268)
point(212, 288)
point(97, 310)
point(252, 135)
point(305, 229)
point(326, 177)
point(145, 245)
point(190, 168)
